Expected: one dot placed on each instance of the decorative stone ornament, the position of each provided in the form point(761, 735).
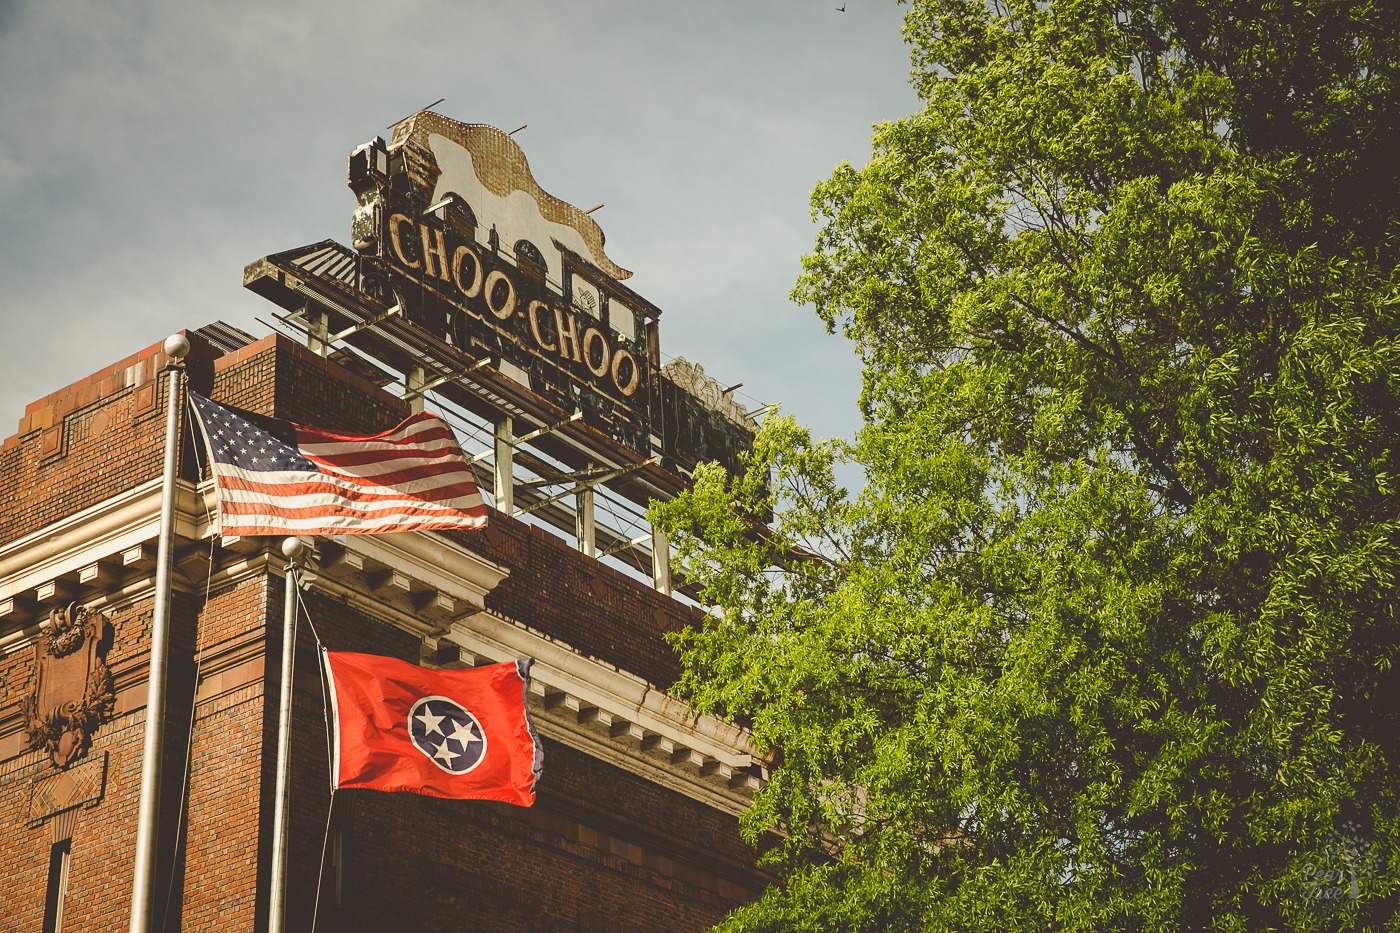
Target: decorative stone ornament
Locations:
point(693, 378)
point(73, 692)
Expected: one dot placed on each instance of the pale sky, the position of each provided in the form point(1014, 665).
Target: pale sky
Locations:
point(150, 150)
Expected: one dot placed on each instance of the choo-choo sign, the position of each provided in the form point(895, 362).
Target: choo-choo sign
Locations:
point(452, 230)
point(483, 288)
point(452, 227)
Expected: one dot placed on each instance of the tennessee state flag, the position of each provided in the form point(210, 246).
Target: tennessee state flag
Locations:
point(461, 734)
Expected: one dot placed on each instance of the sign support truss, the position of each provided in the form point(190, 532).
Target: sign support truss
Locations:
point(586, 479)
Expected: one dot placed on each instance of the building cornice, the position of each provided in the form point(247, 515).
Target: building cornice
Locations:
point(421, 583)
point(580, 701)
point(615, 715)
point(92, 554)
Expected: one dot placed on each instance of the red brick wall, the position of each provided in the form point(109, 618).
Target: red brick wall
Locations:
point(24, 854)
point(103, 835)
point(610, 616)
point(602, 849)
point(228, 818)
point(600, 842)
point(576, 858)
point(276, 376)
point(583, 602)
point(86, 443)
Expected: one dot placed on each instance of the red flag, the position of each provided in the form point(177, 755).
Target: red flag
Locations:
point(463, 734)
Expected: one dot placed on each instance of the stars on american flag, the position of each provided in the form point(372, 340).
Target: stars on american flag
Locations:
point(237, 442)
point(276, 477)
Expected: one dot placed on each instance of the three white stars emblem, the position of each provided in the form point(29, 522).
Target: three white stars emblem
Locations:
point(447, 734)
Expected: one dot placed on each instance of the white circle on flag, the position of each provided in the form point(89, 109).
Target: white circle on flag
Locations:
point(447, 734)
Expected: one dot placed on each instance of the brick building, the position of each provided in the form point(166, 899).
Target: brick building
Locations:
point(635, 827)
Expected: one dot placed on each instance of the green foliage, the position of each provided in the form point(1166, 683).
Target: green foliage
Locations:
point(1108, 640)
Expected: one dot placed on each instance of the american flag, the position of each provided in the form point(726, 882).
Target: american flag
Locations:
point(278, 478)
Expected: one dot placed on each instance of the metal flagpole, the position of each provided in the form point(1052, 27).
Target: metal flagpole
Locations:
point(276, 912)
point(148, 818)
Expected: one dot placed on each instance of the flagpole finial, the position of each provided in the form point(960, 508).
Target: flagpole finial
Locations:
point(177, 345)
point(292, 547)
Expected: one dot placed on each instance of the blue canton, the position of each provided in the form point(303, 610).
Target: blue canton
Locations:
point(238, 442)
point(447, 734)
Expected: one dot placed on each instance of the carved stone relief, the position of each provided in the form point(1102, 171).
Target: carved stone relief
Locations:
point(73, 692)
point(692, 378)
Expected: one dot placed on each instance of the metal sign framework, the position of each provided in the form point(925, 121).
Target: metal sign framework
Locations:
point(569, 367)
point(556, 448)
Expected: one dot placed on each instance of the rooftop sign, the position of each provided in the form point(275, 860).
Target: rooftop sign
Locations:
point(454, 233)
point(542, 307)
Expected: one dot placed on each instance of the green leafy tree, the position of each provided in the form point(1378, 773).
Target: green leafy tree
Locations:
point(1107, 641)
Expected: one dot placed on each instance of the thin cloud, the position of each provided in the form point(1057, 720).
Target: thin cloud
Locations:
point(152, 149)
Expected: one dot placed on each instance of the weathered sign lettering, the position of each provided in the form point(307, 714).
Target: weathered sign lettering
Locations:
point(484, 287)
